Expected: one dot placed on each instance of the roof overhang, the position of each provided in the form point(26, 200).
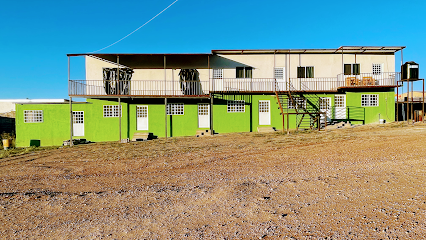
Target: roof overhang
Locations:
point(340, 50)
point(153, 61)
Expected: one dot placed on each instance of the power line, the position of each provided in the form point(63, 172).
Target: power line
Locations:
point(136, 28)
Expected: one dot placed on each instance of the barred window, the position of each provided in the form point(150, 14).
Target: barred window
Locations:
point(369, 100)
point(325, 103)
point(77, 117)
point(203, 109)
point(142, 111)
point(31, 116)
point(264, 106)
point(340, 101)
point(236, 106)
point(377, 68)
point(297, 103)
point(217, 73)
point(175, 109)
point(111, 110)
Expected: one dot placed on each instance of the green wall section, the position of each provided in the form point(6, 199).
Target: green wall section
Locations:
point(55, 127)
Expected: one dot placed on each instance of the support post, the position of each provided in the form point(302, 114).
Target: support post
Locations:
point(408, 106)
point(423, 101)
point(165, 116)
point(165, 76)
point(211, 114)
point(71, 122)
point(119, 118)
point(71, 116)
point(397, 101)
point(412, 102)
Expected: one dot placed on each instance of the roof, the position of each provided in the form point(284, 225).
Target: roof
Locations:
point(340, 50)
point(201, 60)
point(34, 100)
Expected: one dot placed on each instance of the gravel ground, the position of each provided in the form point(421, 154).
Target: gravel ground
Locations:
point(366, 182)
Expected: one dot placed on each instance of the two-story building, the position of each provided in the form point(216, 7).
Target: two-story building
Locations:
point(223, 91)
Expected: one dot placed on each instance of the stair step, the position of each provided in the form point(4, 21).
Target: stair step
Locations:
point(203, 133)
point(265, 129)
point(142, 136)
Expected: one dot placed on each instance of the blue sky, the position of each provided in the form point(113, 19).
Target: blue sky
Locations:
point(37, 35)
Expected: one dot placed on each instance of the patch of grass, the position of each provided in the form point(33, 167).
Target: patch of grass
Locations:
point(20, 151)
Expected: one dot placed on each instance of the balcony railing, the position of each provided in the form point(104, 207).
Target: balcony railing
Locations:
point(137, 88)
point(199, 88)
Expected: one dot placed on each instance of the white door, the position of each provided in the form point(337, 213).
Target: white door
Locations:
point(142, 117)
point(340, 106)
point(78, 123)
point(325, 107)
point(203, 116)
point(218, 79)
point(279, 75)
point(264, 113)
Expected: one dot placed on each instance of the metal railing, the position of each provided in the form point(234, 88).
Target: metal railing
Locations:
point(197, 88)
point(137, 88)
point(370, 79)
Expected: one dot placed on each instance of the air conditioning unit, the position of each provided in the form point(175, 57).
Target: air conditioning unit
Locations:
point(410, 71)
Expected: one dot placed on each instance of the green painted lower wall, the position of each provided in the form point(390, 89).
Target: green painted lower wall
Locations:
point(55, 127)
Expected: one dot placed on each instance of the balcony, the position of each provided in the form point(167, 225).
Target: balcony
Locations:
point(164, 88)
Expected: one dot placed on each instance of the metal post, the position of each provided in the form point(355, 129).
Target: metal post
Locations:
point(423, 101)
point(119, 117)
point(165, 76)
point(71, 116)
point(211, 113)
point(71, 122)
point(208, 69)
point(408, 107)
point(397, 101)
point(412, 101)
point(165, 115)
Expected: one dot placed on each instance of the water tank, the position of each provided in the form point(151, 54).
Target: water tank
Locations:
point(410, 71)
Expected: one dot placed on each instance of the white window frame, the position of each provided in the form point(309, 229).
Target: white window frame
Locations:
point(33, 116)
point(305, 70)
point(175, 109)
point(217, 73)
point(369, 100)
point(279, 73)
point(111, 111)
point(300, 103)
point(236, 106)
point(377, 68)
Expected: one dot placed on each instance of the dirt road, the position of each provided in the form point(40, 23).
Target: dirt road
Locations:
point(365, 182)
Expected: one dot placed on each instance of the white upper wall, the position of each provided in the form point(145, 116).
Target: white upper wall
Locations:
point(325, 65)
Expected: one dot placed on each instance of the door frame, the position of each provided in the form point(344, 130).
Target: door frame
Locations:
point(137, 117)
point(74, 123)
point(269, 113)
point(208, 115)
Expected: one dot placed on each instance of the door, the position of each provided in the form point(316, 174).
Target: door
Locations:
point(78, 123)
point(203, 116)
point(142, 117)
point(340, 106)
point(264, 113)
point(279, 75)
point(218, 79)
point(325, 107)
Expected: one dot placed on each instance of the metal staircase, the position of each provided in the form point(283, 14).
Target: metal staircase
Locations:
point(306, 107)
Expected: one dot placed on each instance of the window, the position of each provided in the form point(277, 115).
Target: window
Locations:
point(377, 68)
point(352, 69)
point(279, 73)
point(305, 72)
point(78, 117)
point(175, 109)
point(203, 109)
point(369, 100)
point(142, 111)
point(244, 72)
point(217, 73)
point(264, 106)
point(325, 103)
point(299, 103)
point(32, 116)
point(111, 110)
point(236, 106)
point(340, 101)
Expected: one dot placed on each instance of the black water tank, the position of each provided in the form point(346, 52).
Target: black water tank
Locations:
point(410, 71)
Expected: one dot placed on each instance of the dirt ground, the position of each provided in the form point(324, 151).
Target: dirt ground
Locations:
point(367, 182)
